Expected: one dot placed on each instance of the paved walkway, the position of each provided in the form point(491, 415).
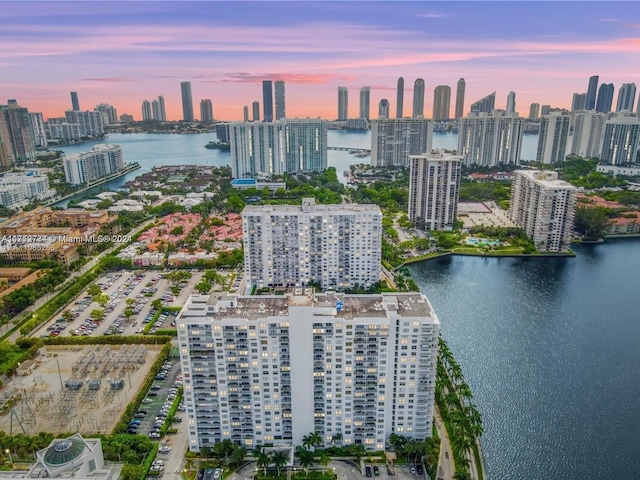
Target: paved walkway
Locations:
point(446, 467)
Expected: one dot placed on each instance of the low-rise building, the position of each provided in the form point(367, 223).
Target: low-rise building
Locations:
point(17, 189)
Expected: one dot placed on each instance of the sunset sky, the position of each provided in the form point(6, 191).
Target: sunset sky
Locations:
point(124, 52)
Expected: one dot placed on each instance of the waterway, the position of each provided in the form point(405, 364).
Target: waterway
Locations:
point(550, 348)
point(152, 150)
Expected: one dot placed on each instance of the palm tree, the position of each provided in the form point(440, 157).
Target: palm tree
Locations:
point(337, 439)
point(305, 459)
point(238, 454)
point(316, 439)
point(324, 459)
point(263, 461)
point(279, 459)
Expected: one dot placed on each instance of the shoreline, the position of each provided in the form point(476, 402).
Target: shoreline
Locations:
point(79, 142)
point(130, 168)
point(488, 255)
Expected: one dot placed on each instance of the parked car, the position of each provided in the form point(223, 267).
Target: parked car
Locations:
point(164, 449)
point(368, 471)
point(376, 471)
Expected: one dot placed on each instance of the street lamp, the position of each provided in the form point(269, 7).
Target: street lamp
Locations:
point(8, 452)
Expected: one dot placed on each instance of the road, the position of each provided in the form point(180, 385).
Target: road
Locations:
point(445, 462)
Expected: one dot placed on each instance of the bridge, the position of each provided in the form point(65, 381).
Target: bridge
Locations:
point(350, 149)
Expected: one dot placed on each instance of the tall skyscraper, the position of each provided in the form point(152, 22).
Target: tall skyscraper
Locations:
point(5, 146)
point(621, 141)
point(544, 207)
point(442, 103)
point(374, 358)
point(280, 105)
point(187, 102)
point(394, 139)
point(267, 100)
point(545, 110)
point(588, 133)
point(418, 99)
point(400, 98)
point(345, 245)
point(383, 108)
point(534, 111)
point(460, 98)
point(287, 145)
point(552, 140)
point(75, 104)
point(434, 188)
point(158, 109)
point(605, 98)
point(256, 111)
point(343, 103)
point(206, 111)
point(365, 97)
point(579, 102)
point(109, 113)
point(89, 123)
point(490, 139)
point(511, 102)
point(486, 104)
point(38, 129)
point(592, 90)
point(155, 109)
point(245, 113)
point(626, 97)
point(147, 112)
point(86, 167)
point(19, 141)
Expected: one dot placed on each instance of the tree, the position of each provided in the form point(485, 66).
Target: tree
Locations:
point(337, 439)
point(131, 472)
point(203, 287)
point(128, 312)
point(157, 304)
point(324, 459)
point(237, 457)
point(67, 316)
point(130, 301)
point(94, 289)
point(263, 461)
point(592, 222)
point(101, 299)
point(97, 314)
point(305, 458)
point(279, 460)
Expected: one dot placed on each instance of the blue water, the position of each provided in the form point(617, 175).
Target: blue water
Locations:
point(551, 350)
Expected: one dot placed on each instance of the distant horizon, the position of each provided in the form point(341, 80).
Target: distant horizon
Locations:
point(123, 53)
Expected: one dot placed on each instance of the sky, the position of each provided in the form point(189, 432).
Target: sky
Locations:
point(122, 53)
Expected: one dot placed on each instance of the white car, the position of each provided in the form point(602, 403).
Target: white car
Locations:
point(164, 449)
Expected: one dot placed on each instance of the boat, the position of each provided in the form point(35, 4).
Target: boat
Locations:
point(218, 146)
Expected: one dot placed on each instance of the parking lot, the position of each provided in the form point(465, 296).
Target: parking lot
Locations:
point(125, 290)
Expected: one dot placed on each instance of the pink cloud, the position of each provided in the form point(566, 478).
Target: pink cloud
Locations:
point(315, 78)
point(110, 79)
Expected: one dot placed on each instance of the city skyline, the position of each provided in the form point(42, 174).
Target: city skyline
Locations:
point(116, 53)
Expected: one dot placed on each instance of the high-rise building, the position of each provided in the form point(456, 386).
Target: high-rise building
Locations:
point(206, 111)
point(545, 110)
point(626, 97)
point(442, 103)
point(460, 98)
point(109, 113)
point(38, 129)
point(89, 123)
point(245, 113)
point(552, 140)
point(287, 145)
point(6, 157)
point(19, 141)
point(486, 104)
point(534, 111)
point(434, 188)
point(511, 102)
point(68, 132)
point(126, 118)
point(267, 100)
point(579, 102)
point(99, 162)
point(383, 108)
point(400, 98)
point(588, 133)
point(621, 141)
point(222, 132)
point(365, 97)
point(544, 207)
point(418, 99)
point(337, 246)
point(161, 114)
point(394, 139)
point(343, 103)
point(280, 100)
point(604, 101)
point(256, 111)
point(490, 139)
point(147, 112)
point(187, 102)
point(590, 103)
point(75, 104)
point(360, 367)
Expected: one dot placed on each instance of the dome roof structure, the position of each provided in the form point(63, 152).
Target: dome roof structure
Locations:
point(64, 451)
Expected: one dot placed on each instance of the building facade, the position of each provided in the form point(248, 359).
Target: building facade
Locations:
point(89, 122)
point(271, 369)
point(38, 129)
point(109, 113)
point(484, 105)
point(511, 102)
point(588, 133)
point(147, 112)
point(206, 111)
point(621, 141)
point(99, 162)
point(490, 139)
point(604, 102)
point(20, 188)
point(434, 189)
point(626, 97)
point(365, 103)
point(418, 99)
point(442, 103)
point(544, 207)
point(552, 140)
point(394, 139)
point(75, 103)
point(400, 98)
point(578, 102)
point(592, 91)
point(187, 102)
point(534, 111)
point(343, 103)
point(460, 88)
point(287, 145)
point(337, 246)
point(383, 108)
point(280, 100)
point(255, 106)
point(17, 133)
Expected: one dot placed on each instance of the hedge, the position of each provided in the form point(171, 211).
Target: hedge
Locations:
point(172, 411)
point(106, 340)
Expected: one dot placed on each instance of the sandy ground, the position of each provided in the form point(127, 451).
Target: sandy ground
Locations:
point(46, 404)
point(496, 217)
